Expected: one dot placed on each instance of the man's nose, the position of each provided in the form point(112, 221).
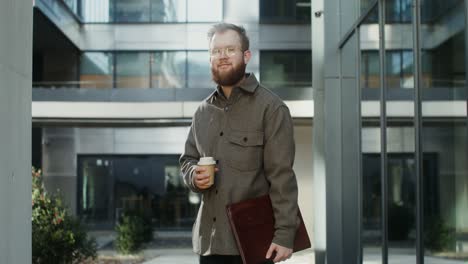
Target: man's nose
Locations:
point(223, 54)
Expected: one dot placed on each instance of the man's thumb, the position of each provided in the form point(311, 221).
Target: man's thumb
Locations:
point(270, 251)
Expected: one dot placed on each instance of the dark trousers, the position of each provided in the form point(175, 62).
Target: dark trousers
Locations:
point(221, 259)
point(224, 259)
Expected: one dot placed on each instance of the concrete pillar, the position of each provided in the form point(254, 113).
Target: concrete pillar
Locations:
point(318, 136)
point(15, 130)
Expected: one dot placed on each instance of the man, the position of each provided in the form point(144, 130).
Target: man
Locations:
point(249, 131)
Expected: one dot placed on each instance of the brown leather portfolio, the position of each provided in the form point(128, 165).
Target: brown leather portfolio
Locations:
point(252, 222)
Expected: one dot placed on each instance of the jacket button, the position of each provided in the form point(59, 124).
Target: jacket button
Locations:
point(221, 134)
point(214, 219)
point(216, 191)
point(245, 139)
point(226, 108)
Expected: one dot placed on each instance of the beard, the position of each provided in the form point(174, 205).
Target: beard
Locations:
point(229, 77)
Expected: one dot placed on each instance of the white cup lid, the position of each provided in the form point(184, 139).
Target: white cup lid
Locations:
point(206, 161)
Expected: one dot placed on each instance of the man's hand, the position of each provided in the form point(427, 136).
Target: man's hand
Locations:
point(202, 178)
point(282, 253)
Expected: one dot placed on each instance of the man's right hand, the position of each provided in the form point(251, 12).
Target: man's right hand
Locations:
point(202, 178)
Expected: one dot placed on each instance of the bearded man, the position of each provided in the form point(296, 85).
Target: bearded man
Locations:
point(249, 131)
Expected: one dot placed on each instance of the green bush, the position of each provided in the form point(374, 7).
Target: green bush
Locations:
point(438, 236)
point(57, 237)
point(400, 222)
point(130, 233)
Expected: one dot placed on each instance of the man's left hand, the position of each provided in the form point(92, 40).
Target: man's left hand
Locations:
point(282, 253)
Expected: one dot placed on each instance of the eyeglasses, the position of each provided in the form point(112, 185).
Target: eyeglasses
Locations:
point(229, 52)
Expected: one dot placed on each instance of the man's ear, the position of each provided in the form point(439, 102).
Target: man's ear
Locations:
point(247, 56)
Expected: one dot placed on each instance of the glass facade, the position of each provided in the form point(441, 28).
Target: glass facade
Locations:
point(147, 11)
point(92, 11)
point(168, 69)
point(158, 69)
point(204, 10)
point(286, 68)
point(96, 70)
point(191, 69)
point(198, 70)
point(396, 11)
point(371, 182)
point(446, 215)
point(414, 136)
point(166, 11)
point(285, 11)
point(150, 185)
point(399, 65)
point(132, 70)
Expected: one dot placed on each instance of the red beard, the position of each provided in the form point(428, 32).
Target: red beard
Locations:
point(228, 77)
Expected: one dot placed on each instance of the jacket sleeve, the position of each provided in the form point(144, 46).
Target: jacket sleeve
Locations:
point(188, 160)
point(279, 151)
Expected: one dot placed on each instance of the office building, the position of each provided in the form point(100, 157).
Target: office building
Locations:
point(377, 91)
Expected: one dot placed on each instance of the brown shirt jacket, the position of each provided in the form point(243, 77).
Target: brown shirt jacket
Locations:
point(251, 136)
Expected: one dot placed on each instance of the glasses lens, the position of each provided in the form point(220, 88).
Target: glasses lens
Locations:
point(229, 52)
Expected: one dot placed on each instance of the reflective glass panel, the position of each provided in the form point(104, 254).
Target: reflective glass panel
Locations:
point(96, 70)
point(198, 70)
point(398, 11)
point(285, 11)
point(149, 186)
point(95, 192)
point(204, 10)
point(96, 11)
point(365, 4)
point(371, 233)
point(444, 131)
point(73, 5)
point(132, 11)
point(370, 77)
point(168, 69)
point(399, 67)
point(132, 70)
point(286, 69)
point(401, 158)
point(168, 11)
point(434, 10)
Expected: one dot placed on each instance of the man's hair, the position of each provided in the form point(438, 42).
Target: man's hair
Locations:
point(223, 27)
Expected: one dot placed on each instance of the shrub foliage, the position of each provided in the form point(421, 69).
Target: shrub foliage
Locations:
point(57, 236)
point(132, 232)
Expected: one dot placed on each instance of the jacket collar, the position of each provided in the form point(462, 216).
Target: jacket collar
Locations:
point(249, 85)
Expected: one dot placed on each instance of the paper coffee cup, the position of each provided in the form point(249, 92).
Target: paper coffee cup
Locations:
point(208, 163)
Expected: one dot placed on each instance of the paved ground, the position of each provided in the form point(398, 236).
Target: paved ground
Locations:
point(175, 248)
point(186, 256)
point(171, 248)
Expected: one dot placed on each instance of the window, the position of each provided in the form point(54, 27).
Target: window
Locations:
point(399, 69)
point(198, 69)
point(285, 11)
point(147, 11)
point(108, 186)
point(286, 69)
point(205, 10)
point(132, 70)
point(397, 11)
point(168, 69)
point(370, 69)
point(96, 11)
point(132, 10)
point(96, 70)
point(164, 11)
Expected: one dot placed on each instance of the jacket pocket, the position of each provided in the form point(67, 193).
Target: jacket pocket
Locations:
point(245, 150)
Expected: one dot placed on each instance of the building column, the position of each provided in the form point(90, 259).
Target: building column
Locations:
point(318, 135)
point(15, 130)
point(336, 132)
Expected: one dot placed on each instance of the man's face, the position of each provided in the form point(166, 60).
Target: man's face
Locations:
point(227, 60)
